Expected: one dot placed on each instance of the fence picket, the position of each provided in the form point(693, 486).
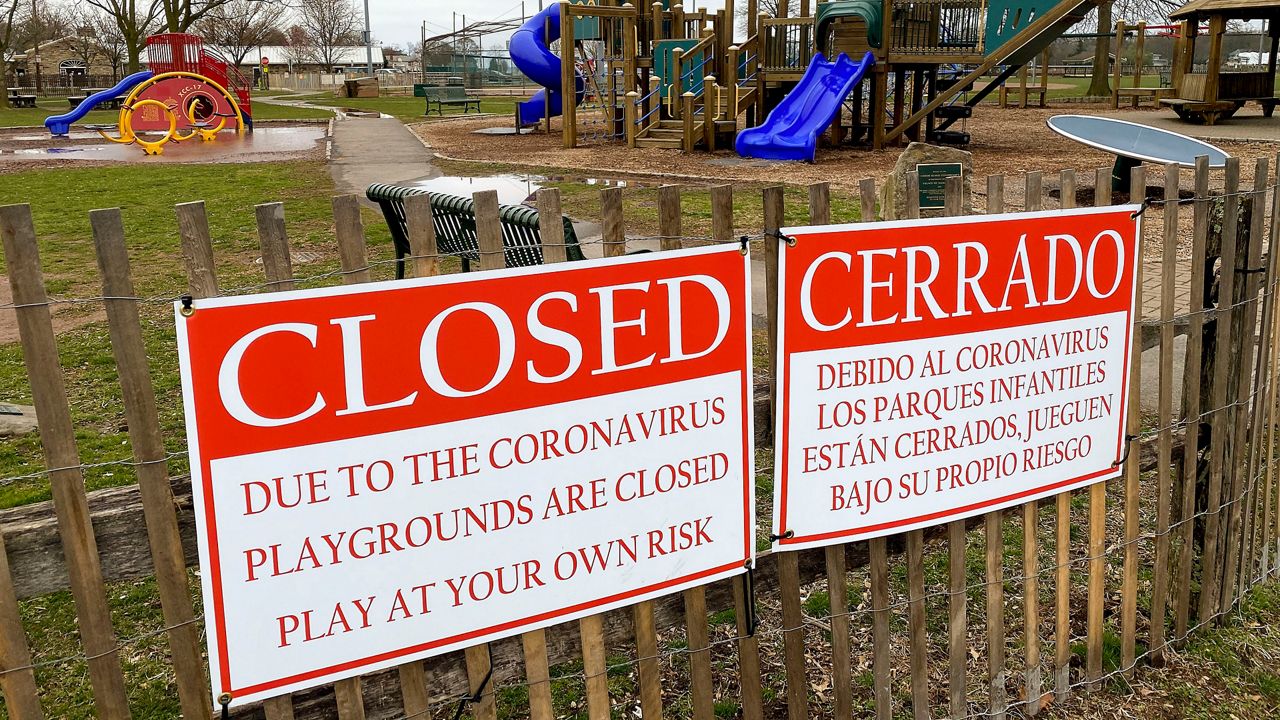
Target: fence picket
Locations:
point(17, 678)
point(1191, 398)
point(957, 609)
point(1133, 425)
point(1214, 543)
point(1062, 540)
point(62, 457)
point(421, 232)
point(699, 647)
point(1033, 200)
point(647, 662)
point(993, 530)
point(1097, 515)
point(1164, 461)
point(349, 230)
point(1241, 517)
point(125, 327)
point(882, 683)
point(594, 666)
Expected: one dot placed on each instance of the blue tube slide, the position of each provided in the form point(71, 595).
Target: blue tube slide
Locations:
point(61, 124)
point(531, 52)
point(792, 128)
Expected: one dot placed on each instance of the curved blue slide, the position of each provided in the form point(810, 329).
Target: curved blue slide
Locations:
point(61, 124)
point(531, 52)
point(791, 130)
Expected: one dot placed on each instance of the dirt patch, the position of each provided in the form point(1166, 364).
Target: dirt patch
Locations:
point(65, 316)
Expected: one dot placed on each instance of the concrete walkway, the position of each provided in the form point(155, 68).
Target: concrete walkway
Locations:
point(370, 150)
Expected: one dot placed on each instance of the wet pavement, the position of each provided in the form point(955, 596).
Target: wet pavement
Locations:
point(266, 143)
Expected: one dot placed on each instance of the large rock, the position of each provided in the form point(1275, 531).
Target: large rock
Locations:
point(893, 194)
point(17, 420)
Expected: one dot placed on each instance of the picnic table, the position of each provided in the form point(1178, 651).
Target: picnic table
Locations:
point(112, 104)
point(20, 100)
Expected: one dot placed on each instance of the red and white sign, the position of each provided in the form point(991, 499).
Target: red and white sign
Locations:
point(936, 369)
point(389, 471)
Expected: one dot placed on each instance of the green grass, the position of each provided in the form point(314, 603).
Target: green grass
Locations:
point(60, 201)
point(24, 117)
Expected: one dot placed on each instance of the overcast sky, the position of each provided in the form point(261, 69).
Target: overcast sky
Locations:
point(398, 22)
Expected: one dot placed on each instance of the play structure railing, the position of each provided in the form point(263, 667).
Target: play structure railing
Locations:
point(939, 27)
point(740, 76)
point(689, 68)
point(786, 44)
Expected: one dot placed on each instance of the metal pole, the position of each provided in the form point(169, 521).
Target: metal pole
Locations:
point(368, 39)
point(35, 21)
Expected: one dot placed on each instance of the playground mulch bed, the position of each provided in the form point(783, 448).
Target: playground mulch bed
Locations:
point(1010, 142)
point(1007, 141)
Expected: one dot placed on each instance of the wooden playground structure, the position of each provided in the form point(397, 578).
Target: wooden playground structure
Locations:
point(662, 76)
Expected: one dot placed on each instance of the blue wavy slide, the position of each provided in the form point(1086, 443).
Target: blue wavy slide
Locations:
point(61, 124)
point(791, 130)
point(531, 52)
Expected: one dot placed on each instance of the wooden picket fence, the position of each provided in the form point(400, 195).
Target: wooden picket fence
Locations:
point(1189, 527)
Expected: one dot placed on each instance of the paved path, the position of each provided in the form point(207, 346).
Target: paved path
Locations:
point(1247, 124)
point(370, 150)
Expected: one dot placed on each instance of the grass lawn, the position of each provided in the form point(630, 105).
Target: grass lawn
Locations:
point(61, 199)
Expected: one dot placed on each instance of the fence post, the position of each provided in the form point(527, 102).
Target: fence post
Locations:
point(1097, 516)
point(956, 600)
point(629, 116)
point(62, 458)
point(153, 469)
point(994, 537)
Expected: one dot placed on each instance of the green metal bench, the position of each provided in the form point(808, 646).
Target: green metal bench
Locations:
point(452, 96)
point(454, 219)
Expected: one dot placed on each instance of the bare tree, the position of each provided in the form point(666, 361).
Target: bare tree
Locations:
point(134, 21)
point(238, 26)
point(329, 25)
point(8, 20)
point(182, 15)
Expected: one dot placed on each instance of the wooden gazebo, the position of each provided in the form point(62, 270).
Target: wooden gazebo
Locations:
point(1215, 94)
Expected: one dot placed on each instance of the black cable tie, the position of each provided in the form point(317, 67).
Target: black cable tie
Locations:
point(752, 621)
point(1128, 442)
point(1146, 203)
point(789, 240)
point(1251, 271)
point(187, 309)
point(224, 700)
point(784, 536)
point(475, 697)
point(743, 240)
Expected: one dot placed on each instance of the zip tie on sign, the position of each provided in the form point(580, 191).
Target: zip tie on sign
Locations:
point(789, 240)
point(225, 701)
point(1146, 203)
point(1128, 443)
point(784, 536)
point(743, 241)
point(187, 310)
point(475, 697)
point(749, 599)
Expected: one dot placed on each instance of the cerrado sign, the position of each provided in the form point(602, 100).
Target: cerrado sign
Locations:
point(389, 471)
point(936, 369)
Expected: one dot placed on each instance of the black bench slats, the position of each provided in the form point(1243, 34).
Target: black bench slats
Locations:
point(454, 219)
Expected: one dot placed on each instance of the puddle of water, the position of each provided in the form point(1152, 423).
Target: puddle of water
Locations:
point(256, 146)
point(512, 189)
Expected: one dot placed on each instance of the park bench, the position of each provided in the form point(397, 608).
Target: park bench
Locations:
point(454, 219)
point(112, 104)
point(451, 96)
point(19, 100)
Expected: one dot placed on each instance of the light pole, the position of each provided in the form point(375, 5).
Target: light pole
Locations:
point(368, 39)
